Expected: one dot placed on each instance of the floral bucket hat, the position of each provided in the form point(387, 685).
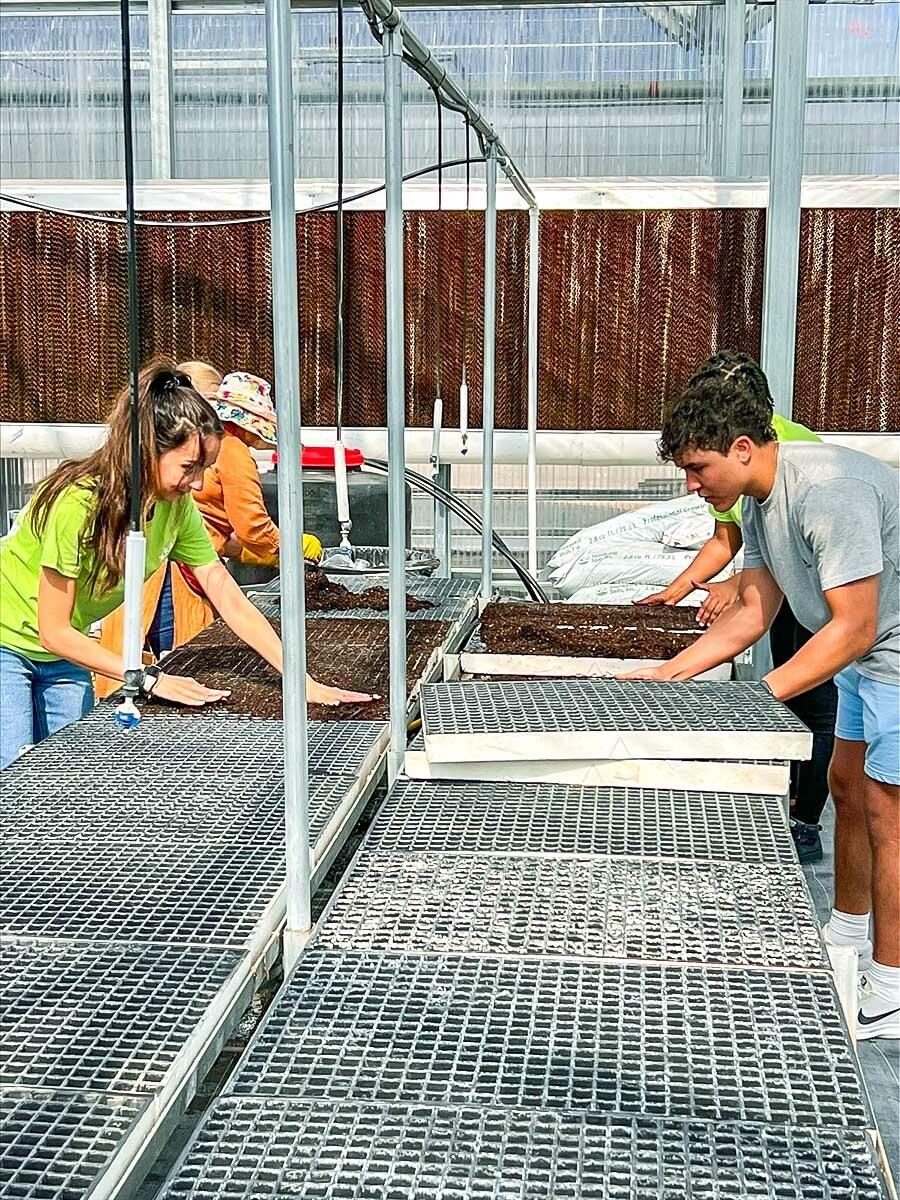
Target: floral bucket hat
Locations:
point(245, 400)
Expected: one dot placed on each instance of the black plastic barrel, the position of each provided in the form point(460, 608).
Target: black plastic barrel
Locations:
point(368, 510)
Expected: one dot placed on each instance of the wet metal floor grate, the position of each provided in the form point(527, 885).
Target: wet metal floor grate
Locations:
point(658, 1041)
point(735, 914)
point(523, 818)
point(212, 895)
point(607, 719)
point(53, 1146)
point(101, 1017)
point(362, 1151)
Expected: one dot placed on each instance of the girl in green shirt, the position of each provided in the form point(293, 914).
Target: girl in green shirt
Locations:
point(62, 566)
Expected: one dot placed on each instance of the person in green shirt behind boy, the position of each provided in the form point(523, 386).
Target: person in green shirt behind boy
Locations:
point(817, 708)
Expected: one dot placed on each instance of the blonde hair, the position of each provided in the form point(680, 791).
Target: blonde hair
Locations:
point(204, 377)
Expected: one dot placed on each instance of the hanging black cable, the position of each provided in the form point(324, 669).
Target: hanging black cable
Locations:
point(75, 215)
point(339, 232)
point(462, 510)
point(131, 267)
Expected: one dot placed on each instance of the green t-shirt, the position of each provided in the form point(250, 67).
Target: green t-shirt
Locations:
point(175, 531)
point(785, 431)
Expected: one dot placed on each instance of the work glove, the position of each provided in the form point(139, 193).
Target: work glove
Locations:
point(312, 553)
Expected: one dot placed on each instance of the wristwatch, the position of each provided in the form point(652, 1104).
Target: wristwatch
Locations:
point(149, 679)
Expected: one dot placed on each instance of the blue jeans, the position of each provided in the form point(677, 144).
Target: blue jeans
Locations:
point(37, 698)
point(161, 634)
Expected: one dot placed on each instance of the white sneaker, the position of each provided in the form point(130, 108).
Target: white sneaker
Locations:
point(864, 951)
point(879, 1015)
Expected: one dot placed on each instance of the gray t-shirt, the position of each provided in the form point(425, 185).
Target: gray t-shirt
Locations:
point(831, 518)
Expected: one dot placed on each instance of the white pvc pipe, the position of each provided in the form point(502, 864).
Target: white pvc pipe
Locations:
point(554, 447)
point(340, 484)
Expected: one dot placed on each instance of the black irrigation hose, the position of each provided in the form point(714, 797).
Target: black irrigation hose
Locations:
point(22, 202)
point(471, 518)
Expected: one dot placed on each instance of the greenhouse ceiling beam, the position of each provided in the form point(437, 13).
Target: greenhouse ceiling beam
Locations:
point(423, 62)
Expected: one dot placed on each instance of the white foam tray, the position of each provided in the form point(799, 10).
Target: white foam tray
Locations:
point(759, 778)
point(549, 666)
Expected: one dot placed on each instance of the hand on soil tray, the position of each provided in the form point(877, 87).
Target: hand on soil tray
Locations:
point(179, 689)
point(719, 597)
point(321, 693)
point(668, 596)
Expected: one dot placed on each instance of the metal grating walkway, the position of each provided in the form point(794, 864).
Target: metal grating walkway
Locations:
point(521, 818)
point(101, 1017)
point(53, 1145)
point(655, 1041)
point(731, 914)
point(245, 1151)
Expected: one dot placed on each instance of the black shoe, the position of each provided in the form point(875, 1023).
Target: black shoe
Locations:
point(807, 842)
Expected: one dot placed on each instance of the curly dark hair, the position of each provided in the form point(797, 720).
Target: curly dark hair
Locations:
point(727, 398)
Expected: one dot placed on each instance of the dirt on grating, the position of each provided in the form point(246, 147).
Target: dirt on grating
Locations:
point(351, 654)
point(587, 630)
point(326, 595)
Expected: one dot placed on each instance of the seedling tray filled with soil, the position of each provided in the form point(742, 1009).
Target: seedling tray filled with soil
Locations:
point(348, 654)
point(578, 640)
point(327, 595)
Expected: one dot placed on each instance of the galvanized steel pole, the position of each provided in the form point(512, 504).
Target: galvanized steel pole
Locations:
point(283, 234)
point(733, 90)
point(162, 89)
point(490, 320)
point(533, 250)
point(396, 400)
point(779, 324)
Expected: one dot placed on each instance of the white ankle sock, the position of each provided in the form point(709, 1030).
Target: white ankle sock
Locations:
point(885, 981)
point(849, 929)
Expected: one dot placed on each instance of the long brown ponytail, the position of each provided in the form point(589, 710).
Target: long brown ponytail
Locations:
point(170, 412)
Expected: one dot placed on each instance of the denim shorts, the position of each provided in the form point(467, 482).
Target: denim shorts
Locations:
point(869, 711)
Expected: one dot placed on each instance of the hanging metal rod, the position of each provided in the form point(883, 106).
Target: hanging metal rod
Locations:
point(423, 62)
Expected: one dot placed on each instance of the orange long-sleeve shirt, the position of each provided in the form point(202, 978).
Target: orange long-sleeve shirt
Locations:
point(232, 504)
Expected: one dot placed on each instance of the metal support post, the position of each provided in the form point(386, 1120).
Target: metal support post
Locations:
point(733, 91)
point(290, 491)
point(490, 321)
point(162, 89)
point(396, 398)
point(779, 320)
point(533, 250)
point(442, 524)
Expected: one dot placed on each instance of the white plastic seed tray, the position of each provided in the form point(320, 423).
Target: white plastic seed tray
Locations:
point(549, 666)
point(767, 778)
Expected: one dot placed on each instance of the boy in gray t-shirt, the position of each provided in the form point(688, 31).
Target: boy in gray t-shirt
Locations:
point(820, 526)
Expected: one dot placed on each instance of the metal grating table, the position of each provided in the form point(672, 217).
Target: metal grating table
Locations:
point(224, 743)
point(107, 1017)
point(732, 914)
point(655, 1041)
point(522, 818)
point(467, 722)
point(254, 1149)
point(204, 894)
point(53, 1145)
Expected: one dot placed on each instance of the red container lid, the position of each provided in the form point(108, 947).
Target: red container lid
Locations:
point(323, 457)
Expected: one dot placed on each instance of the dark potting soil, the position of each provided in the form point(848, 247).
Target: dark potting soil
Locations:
point(351, 654)
point(324, 594)
point(586, 630)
